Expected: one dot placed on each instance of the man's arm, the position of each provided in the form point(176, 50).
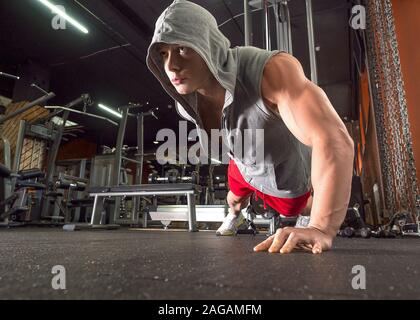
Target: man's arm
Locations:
point(309, 115)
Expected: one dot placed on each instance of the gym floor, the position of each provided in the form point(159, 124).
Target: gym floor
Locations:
point(157, 264)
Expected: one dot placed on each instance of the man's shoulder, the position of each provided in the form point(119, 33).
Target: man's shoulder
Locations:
point(282, 62)
point(283, 75)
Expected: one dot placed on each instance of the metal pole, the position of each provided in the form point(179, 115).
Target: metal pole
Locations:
point(140, 148)
point(118, 148)
point(52, 156)
point(116, 174)
point(19, 145)
point(279, 28)
point(8, 75)
point(27, 107)
point(247, 24)
point(79, 194)
point(266, 25)
point(283, 27)
point(139, 166)
point(191, 212)
point(7, 183)
point(289, 29)
point(311, 41)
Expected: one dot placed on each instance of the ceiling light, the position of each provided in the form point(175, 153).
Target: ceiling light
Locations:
point(110, 110)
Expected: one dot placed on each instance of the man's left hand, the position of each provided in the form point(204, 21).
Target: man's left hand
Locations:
point(285, 240)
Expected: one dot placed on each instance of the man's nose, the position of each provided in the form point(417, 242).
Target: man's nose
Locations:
point(172, 63)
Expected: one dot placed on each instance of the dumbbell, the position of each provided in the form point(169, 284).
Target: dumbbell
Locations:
point(173, 178)
point(194, 178)
point(65, 184)
point(154, 178)
point(347, 232)
point(383, 234)
point(364, 232)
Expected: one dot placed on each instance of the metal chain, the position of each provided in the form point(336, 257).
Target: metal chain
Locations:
point(393, 128)
point(409, 162)
point(378, 105)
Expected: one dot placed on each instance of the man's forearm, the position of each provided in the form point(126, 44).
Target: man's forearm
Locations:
point(332, 169)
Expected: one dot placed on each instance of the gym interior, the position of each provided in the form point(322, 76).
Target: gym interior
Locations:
point(88, 209)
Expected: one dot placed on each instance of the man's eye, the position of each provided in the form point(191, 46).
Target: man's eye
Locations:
point(182, 50)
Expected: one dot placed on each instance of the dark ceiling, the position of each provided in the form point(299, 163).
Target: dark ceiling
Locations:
point(109, 62)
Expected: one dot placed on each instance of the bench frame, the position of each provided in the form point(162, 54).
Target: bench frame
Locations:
point(184, 189)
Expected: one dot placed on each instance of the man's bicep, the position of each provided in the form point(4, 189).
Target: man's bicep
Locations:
point(303, 106)
point(310, 116)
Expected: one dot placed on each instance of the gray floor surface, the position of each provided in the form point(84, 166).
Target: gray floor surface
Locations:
point(161, 265)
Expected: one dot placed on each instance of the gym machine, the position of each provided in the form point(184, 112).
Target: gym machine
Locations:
point(65, 185)
point(52, 135)
point(75, 202)
point(97, 175)
point(14, 183)
point(283, 27)
point(15, 208)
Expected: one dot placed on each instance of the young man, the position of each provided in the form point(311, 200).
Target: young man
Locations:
point(305, 142)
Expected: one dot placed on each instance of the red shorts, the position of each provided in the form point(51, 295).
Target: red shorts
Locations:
point(284, 206)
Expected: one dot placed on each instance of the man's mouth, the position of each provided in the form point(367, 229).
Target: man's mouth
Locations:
point(178, 81)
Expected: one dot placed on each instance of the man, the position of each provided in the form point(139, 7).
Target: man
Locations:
point(305, 142)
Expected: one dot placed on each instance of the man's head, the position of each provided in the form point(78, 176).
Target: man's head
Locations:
point(185, 68)
point(187, 44)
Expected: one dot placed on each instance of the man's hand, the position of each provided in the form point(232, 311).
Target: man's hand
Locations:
point(287, 239)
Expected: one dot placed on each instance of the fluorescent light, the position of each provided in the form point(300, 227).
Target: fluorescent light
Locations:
point(108, 109)
point(64, 15)
point(216, 161)
point(156, 142)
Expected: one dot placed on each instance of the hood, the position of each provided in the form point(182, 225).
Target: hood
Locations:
point(188, 24)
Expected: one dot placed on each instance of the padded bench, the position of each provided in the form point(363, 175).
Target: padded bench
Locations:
point(170, 189)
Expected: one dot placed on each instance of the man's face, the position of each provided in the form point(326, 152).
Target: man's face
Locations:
point(184, 67)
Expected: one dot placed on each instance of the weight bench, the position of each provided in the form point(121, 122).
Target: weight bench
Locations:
point(169, 189)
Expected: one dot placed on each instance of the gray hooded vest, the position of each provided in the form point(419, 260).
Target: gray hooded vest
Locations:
point(285, 169)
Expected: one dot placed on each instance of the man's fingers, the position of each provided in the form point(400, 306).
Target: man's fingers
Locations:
point(304, 247)
point(317, 248)
point(279, 239)
point(288, 239)
point(291, 243)
point(263, 246)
